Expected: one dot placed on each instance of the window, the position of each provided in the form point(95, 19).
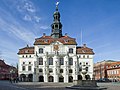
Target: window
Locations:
point(83, 56)
point(41, 50)
point(30, 56)
point(70, 70)
point(23, 56)
point(56, 26)
point(40, 70)
point(50, 61)
point(86, 68)
point(70, 50)
point(70, 61)
point(80, 63)
point(86, 63)
point(61, 61)
point(40, 61)
point(87, 56)
point(29, 68)
point(50, 70)
point(29, 62)
point(23, 62)
point(80, 69)
point(23, 68)
point(61, 70)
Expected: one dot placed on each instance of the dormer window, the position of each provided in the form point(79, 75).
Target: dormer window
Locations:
point(41, 50)
point(70, 50)
point(26, 51)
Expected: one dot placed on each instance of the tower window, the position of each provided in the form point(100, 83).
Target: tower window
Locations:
point(56, 26)
point(41, 50)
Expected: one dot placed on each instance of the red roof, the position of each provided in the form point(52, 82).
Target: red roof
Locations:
point(47, 40)
point(84, 50)
point(26, 50)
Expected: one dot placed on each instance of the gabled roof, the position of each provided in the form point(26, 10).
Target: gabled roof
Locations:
point(26, 50)
point(47, 40)
point(84, 50)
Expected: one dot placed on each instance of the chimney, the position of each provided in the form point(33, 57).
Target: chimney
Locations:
point(84, 45)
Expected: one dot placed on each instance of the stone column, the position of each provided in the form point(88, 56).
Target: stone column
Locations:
point(55, 70)
point(66, 69)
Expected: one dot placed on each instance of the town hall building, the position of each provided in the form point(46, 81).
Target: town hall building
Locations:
point(55, 58)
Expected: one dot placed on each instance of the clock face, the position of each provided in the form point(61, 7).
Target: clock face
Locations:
point(56, 47)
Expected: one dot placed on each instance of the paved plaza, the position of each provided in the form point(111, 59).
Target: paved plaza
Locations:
point(6, 85)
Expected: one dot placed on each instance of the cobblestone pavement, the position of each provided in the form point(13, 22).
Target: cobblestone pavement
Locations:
point(110, 86)
point(5, 85)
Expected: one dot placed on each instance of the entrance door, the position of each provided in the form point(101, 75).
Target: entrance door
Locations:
point(70, 79)
point(61, 79)
point(50, 79)
point(41, 79)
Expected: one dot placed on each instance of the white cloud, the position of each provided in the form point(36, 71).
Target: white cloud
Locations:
point(17, 30)
point(44, 27)
point(27, 18)
point(37, 19)
point(28, 10)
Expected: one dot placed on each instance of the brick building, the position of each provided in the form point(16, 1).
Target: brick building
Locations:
point(7, 71)
point(100, 69)
point(113, 71)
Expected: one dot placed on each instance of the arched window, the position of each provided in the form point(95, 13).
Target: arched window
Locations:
point(40, 50)
point(50, 61)
point(70, 61)
point(70, 50)
point(61, 61)
point(41, 61)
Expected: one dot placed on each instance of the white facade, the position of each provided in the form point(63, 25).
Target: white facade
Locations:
point(67, 72)
point(55, 58)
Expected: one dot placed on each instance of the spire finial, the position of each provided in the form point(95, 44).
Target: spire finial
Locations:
point(57, 3)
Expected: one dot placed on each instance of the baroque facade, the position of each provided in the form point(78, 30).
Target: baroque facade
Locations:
point(55, 58)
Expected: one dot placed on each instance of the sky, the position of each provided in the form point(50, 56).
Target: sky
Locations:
point(21, 21)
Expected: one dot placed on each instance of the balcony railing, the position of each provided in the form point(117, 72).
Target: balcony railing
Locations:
point(59, 53)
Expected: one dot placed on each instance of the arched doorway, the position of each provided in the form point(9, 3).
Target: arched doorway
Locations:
point(87, 77)
point(61, 79)
point(23, 77)
point(70, 79)
point(41, 79)
point(79, 77)
point(30, 77)
point(50, 79)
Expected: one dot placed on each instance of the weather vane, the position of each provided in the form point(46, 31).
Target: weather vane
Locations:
point(57, 3)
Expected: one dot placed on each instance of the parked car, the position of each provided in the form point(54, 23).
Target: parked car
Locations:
point(103, 80)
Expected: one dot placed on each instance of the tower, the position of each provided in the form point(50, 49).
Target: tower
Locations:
point(56, 25)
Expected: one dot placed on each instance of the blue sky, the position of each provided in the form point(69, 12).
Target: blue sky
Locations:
point(21, 21)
